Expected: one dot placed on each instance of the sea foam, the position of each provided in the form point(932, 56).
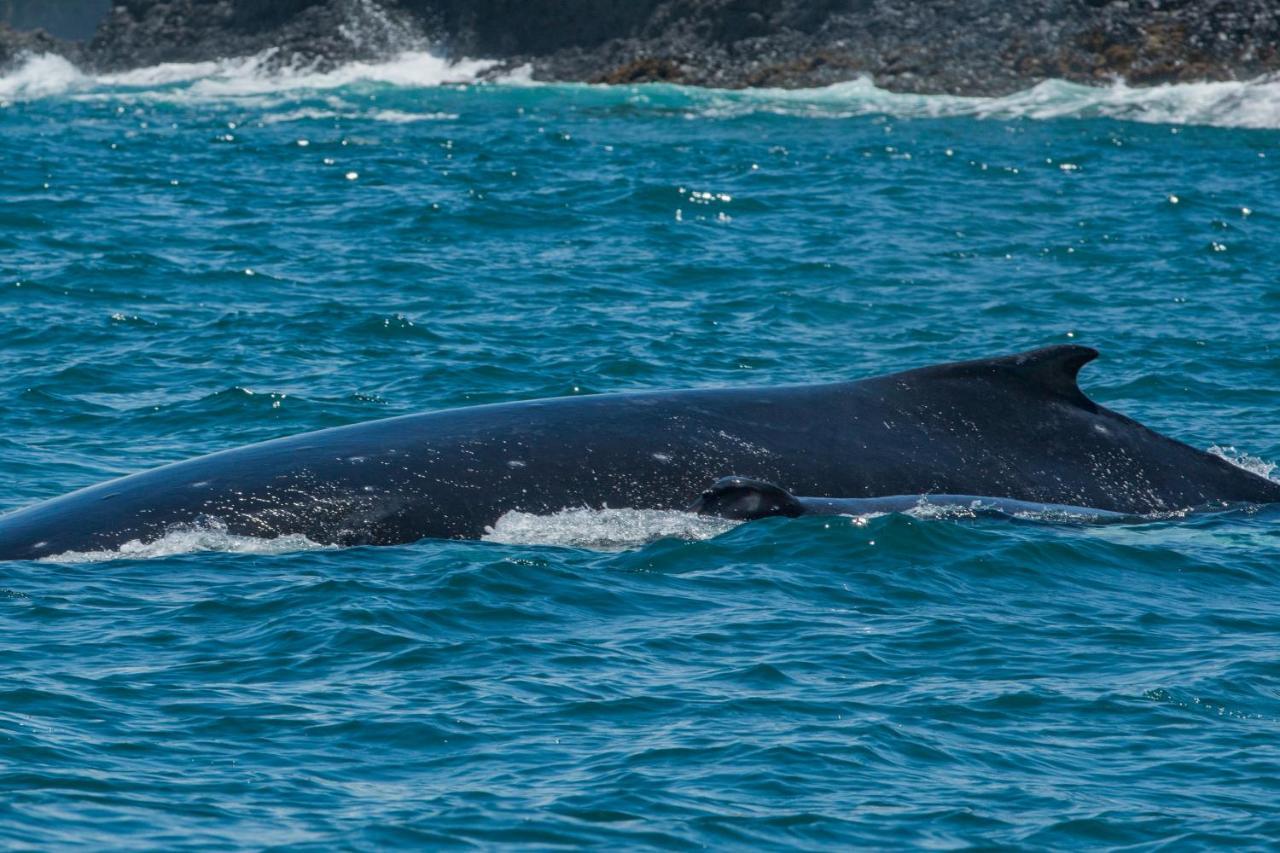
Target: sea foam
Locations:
point(604, 529)
point(1250, 104)
point(41, 76)
point(1247, 104)
point(191, 539)
point(48, 76)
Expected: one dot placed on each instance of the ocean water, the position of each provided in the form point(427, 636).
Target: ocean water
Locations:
point(197, 257)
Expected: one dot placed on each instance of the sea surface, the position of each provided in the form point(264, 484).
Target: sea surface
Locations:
point(196, 257)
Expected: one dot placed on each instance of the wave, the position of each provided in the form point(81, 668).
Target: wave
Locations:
point(47, 76)
point(1241, 104)
point(38, 77)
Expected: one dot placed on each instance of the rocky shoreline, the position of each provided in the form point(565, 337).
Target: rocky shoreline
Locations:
point(972, 47)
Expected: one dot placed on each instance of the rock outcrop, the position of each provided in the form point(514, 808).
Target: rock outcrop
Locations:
point(959, 46)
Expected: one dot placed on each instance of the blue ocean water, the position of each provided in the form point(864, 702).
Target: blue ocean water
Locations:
point(197, 257)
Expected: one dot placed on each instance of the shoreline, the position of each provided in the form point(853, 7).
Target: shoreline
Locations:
point(973, 47)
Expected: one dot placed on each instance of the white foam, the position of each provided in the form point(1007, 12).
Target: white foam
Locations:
point(40, 77)
point(401, 117)
point(304, 114)
point(1254, 104)
point(1240, 459)
point(191, 540)
point(47, 76)
point(168, 73)
point(1251, 104)
point(606, 529)
point(412, 69)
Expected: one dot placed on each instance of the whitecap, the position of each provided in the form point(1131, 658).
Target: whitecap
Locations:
point(245, 78)
point(1250, 104)
point(41, 76)
point(412, 69)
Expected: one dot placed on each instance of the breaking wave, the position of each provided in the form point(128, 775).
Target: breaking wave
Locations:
point(1244, 104)
point(47, 76)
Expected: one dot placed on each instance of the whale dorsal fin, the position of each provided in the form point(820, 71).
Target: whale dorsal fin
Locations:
point(1052, 370)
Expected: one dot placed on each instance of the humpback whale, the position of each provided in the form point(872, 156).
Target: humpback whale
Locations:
point(1017, 426)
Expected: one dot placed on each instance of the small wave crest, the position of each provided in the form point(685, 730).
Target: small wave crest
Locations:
point(192, 539)
point(1241, 104)
point(1245, 104)
point(40, 76)
point(48, 75)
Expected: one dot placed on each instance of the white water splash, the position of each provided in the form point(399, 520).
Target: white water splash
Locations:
point(40, 77)
point(1253, 104)
point(1240, 459)
point(605, 529)
point(413, 69)
point(48, 76)
point(192, 539)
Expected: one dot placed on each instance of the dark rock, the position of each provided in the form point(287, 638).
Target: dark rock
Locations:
point(959, 46)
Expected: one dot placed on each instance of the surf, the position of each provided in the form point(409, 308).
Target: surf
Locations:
point(1228, 104)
